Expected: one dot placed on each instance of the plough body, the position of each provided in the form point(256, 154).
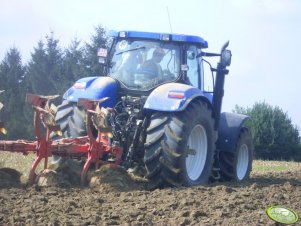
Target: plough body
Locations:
point(88, 148)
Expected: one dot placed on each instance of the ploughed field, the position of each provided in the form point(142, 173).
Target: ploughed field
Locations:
point(116, 198)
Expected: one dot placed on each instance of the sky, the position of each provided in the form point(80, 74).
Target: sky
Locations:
point(264, 36)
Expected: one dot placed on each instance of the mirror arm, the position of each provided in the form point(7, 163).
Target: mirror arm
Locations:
point(204, 54)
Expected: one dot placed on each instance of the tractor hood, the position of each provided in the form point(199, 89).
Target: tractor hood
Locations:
point(94, 88)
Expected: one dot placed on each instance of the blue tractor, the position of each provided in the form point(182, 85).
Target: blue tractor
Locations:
point(171, 129)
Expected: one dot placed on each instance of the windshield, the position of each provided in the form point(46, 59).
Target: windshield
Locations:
point(143, 65)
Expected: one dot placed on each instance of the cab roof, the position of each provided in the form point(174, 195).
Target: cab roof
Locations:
point(161, 36)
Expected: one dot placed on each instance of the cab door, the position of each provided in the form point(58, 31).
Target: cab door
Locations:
point(194, 71)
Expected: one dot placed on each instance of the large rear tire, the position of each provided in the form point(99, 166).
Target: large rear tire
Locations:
point(237, 166)
point(180, 146)
point(70, 117)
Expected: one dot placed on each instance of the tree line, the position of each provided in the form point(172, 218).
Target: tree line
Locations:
point(52, 70)
point(275, 136)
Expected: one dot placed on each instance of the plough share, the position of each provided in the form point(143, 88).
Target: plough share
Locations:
point(91, 148)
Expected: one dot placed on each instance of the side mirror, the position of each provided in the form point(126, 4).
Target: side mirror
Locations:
point(225, 55)
point(102, 55)
point(226, 58)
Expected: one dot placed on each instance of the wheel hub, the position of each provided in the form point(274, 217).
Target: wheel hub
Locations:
point(196, 159)
point(242, 161)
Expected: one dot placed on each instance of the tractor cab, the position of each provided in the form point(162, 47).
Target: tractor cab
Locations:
point(143, 60)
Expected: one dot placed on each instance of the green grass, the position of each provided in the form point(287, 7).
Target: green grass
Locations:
point(260, 166)
point(17, 161)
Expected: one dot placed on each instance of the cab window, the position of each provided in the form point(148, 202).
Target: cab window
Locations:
point(193, 66)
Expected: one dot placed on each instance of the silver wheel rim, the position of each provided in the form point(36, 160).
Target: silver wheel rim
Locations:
point(242, 161)
point(195, 162)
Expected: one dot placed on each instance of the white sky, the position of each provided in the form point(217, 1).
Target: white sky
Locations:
point(264, 36)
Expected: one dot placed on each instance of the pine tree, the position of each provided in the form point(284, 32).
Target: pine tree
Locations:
point(44, 76)
point(54, 66)
point(73, 63)
point(98, 40)
point(36, 76)
point(12, 81)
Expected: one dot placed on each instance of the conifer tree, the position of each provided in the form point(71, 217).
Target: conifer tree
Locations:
point(73, 64)
point(98, 40)
point(12, 80)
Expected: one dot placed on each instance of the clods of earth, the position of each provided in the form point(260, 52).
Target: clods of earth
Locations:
point(113, 197)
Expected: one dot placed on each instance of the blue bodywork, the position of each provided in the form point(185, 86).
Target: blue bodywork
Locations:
point(172, 97)
point(94, 88)
point(169, 97)
point(229, 130)
point(161, 36)
point(159, 99)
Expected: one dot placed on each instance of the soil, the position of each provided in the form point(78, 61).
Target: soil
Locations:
point(115, 198)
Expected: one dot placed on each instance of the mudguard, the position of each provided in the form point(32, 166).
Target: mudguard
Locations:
point(172, 97)
point(229, 129)
point(94, 88)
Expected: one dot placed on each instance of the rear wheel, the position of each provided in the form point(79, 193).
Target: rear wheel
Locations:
point(237, 166)
point(180, 146)
point(70, 117)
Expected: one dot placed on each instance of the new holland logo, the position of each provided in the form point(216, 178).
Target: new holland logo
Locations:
point(282, 215)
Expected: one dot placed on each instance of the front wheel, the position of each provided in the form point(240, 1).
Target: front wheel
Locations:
point(237, 166)
point(180, 146)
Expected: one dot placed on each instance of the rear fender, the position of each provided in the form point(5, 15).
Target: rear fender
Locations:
point(93, 88)
point(173, 97)
point(229, 129)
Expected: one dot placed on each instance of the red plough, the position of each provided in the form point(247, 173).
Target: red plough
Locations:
point(89, 148)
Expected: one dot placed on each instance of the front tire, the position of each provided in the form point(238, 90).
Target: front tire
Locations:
point(237, 166)
point(180, 146)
